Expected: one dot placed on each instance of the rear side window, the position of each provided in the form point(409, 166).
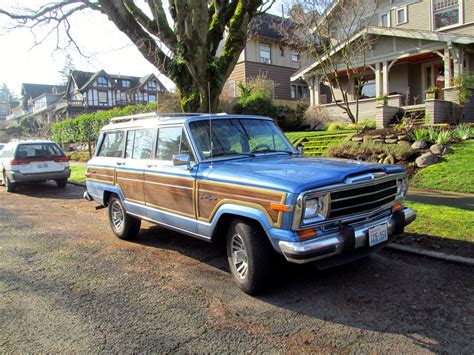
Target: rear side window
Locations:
point(140, 144)
point(171, 141)
point(25, 151)
point(112, 144)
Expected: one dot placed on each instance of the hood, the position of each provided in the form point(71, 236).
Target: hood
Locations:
point(290, 173)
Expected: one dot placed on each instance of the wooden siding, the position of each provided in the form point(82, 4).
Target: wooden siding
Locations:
point(280, 75)
point(131, 184)
point(211, 195)
point(105, 175)
point(170, 193)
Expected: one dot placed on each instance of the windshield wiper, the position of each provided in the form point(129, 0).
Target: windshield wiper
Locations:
point(274, 151)
point(222, 154)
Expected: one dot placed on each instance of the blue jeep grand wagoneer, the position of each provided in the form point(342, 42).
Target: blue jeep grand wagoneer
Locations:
point(238, 179)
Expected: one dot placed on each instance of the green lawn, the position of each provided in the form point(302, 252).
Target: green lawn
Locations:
point(455, 173)
point(77, 173)
point(442, 221)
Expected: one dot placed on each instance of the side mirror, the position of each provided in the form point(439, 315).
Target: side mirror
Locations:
point(182, 159)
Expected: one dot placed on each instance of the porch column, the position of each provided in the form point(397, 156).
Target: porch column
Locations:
point(458, 60)
point(447, 68)
point(378, 80)
point(385, 78)
point(316, 90)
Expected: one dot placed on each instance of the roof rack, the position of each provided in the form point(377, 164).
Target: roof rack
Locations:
point(143, 116)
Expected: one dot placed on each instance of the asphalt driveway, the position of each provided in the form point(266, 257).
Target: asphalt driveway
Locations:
point(67, 284)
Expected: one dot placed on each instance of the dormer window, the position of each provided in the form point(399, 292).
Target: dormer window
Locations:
point(102, 81)
point(446, 13)
point(125, 83)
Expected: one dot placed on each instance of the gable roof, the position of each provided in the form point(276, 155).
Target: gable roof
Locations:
point(269, 26)
point(32, 91)
point(84, 79)
point(392, 32)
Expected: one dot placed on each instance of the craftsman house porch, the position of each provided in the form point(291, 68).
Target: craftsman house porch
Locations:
point(408, 70)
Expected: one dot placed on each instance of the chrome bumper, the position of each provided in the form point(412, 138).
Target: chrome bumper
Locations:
point(351, 239)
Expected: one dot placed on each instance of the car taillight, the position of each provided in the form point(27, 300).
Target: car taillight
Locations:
point(61, 159)
point(19, 162)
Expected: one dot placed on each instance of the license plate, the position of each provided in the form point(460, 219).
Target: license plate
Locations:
point(42, 166)
point(378, 234)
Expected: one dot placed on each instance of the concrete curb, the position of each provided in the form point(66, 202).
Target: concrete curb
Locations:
point(76, 183)
point(433, 254)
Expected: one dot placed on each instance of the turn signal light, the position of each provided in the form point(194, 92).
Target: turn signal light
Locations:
point(307, 233)
point(397, 207)
point(278, 207)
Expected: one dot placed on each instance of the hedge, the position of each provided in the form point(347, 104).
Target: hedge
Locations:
point(85, 128)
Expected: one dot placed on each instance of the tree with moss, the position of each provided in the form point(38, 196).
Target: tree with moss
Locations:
point(196, 43)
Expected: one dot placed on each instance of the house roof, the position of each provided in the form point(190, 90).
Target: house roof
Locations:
point(84, 79)
point(32, 91)
point(393, 32)
point(269, 26)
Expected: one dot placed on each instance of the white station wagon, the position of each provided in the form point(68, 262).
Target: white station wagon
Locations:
point(33, 160)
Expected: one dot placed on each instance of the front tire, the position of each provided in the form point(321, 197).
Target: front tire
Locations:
point(123, 225)
point(249, 256)
point(9, 186)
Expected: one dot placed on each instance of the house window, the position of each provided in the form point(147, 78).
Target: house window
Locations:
point(102, 81)
point(102, 97)
point(282, 51)
point(294, 56)
point(402, 16)
point(299, 92)
point(446, 13)
point(151, 85)
point(125, 83)
point(385, 20)
point(151, 98)
point(265, 54)
point(367, 88)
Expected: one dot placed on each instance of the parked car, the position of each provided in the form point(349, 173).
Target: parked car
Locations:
point(33, 160)
point(238, 179)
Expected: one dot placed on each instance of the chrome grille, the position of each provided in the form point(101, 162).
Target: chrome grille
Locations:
point(362, 199)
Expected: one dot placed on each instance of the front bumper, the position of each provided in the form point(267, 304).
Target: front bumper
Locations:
point(15, 176)
point(348, 239)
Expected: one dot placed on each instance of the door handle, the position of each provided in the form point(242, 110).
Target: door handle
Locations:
point(151, 165)
point(120, 163)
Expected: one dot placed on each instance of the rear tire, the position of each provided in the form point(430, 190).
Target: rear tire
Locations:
point(249, 256)
point(123, 225)
point(9, 186)
point(61, 183)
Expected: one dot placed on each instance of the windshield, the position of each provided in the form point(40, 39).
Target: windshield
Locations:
point(237, 137)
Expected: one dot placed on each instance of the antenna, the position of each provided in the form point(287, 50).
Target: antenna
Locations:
point(210, 121)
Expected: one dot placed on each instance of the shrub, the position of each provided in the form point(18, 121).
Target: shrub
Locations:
point(432, 134)
point(256, 103)
point(368, 151)
point(363, 125)
point(317, 118)
point(444, 137)
point(79, 156)
point(418, 134)
point(463, 132)
point(337, 126)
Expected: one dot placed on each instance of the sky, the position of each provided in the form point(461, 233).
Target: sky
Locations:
point(105, 47)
